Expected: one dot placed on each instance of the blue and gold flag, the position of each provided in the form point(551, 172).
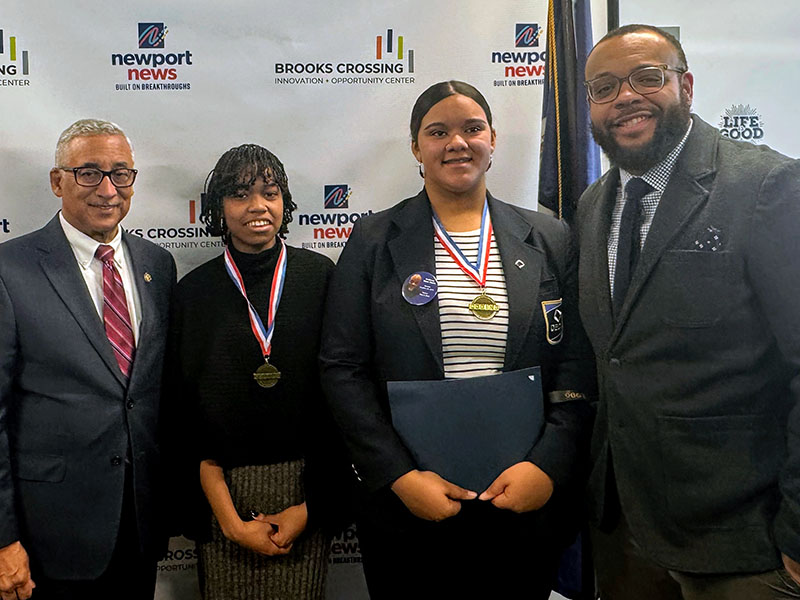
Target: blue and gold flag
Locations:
point(569, 158)
point(569, 162)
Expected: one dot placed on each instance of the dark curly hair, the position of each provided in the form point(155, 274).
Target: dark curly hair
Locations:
point(240, 167)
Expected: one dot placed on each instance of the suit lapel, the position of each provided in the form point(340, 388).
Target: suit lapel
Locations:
point(411, 250)
point(522, 265)
point(683, 196)
point(60, 267)
point(594, 255)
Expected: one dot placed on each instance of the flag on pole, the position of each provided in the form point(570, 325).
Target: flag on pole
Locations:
point(569, 162)
point(569, 158)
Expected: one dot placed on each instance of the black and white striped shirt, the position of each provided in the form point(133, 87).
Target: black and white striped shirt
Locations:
point(470, 346)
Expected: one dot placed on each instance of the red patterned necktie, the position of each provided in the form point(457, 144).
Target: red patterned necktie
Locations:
point(115, 311)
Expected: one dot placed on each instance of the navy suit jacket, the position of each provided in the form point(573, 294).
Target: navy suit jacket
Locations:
point(67, 417)
point(700, 373)
point(372, 335)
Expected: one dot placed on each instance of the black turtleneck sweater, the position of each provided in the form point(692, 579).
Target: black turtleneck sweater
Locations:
point(234, 420)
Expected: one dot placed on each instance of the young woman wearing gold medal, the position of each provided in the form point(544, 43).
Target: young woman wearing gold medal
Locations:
point(494, 292)
point(245, 343)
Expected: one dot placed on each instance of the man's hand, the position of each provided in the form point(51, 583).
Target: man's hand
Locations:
point(521, 487)
point(430, 497)
point(15, 574)
point(792, 567)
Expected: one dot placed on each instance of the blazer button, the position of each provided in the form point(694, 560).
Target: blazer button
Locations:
point(614, 362)
point(116, 461)
point(130, 404)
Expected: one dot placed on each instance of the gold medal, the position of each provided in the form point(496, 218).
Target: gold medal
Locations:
point(483, 307)
point(266, 375)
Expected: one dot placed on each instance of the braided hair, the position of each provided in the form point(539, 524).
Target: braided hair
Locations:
point(240, 167)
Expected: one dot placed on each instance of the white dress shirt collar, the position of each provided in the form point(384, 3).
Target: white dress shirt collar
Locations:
point(84, 247)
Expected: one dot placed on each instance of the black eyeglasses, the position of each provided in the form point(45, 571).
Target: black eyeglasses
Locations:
point(90, 177)
point(644, 80)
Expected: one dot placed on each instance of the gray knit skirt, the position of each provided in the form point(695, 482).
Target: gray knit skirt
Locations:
point(229, 572)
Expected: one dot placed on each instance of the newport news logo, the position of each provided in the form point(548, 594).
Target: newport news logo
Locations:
point(527, 35)
point(331, 229)
point(13, 62)
point(521, 67)
point(393, 65)
point(337, 196)
point(153, 70)
point(151, 35)
point(345, 548)
point(740, 122)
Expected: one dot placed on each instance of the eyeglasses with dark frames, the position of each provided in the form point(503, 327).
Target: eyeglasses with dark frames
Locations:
point(644, 81)
point(91, 176)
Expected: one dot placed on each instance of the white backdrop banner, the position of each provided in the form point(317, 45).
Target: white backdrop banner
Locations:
point(328, 87)
point(744, 57)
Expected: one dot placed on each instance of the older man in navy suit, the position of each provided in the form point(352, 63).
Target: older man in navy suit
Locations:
point(689, 279)
point(83, 319)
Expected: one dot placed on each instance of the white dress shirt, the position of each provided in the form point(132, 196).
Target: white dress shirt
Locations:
point(84, 248)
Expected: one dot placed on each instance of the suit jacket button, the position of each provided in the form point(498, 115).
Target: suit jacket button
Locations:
point(116, 461)
point(614, 362)
point(130, 404)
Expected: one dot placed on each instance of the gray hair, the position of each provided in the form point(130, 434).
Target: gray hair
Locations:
point(86, 128)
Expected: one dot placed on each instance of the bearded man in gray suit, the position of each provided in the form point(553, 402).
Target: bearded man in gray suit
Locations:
point(689, 279)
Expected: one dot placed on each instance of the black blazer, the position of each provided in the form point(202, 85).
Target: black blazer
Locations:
point(67, 417)
point(372, 335)
point(700, 374)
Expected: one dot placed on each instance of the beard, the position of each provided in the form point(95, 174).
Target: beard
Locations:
point(670, 128)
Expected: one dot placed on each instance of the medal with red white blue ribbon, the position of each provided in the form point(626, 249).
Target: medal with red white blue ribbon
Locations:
point(482, 306)
point(266, 375)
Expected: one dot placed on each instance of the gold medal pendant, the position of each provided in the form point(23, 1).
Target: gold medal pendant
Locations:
point(483, 307)
point(266, 375)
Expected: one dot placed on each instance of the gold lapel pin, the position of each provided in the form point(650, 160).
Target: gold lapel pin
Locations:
point(147, 277)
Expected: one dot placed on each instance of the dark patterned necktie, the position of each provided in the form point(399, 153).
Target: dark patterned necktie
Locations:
point(629, 238)
point(116, 319)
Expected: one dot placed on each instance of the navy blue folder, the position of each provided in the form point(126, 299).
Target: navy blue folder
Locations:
point(469, 430)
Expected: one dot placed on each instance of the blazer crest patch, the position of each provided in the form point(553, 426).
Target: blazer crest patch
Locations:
point(553, 321)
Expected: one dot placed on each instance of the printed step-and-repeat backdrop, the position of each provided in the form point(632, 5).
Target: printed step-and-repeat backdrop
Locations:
point(328, 87)
point(744, 59)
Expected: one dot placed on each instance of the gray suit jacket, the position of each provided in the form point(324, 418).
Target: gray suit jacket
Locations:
point(67, 418)
point(700, 375)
